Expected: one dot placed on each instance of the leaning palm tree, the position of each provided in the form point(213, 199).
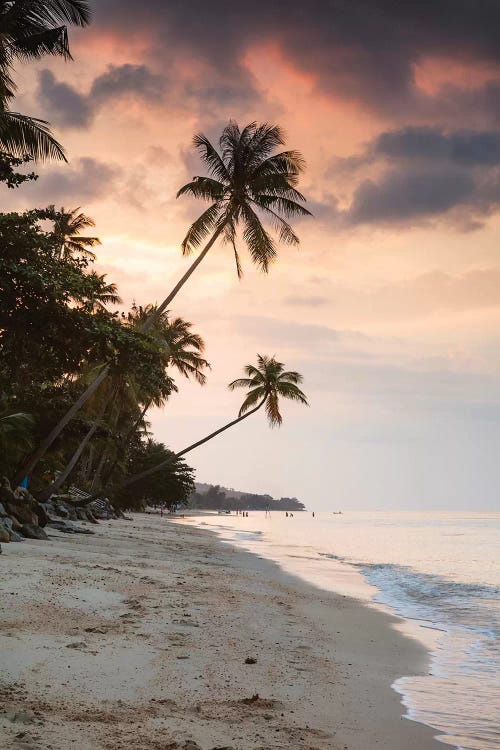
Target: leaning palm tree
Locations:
point(67, 225)
point(267, 383)
point(29, 30)
point(247, 180)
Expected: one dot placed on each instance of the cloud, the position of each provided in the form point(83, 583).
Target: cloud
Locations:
point(401, 196)
point(72, 108)
point(84, 180)
point(420, 173)
point(424, 143)
point(358, 50)
point(67, 106)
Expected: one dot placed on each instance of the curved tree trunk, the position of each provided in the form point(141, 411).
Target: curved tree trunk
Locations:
point(125, 442)
point(73, 461)
point(163, 464)
point(54, 434)
point(151, 320)
point(56, 431)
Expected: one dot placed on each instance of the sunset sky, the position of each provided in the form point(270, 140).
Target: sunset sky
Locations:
point(391, 306)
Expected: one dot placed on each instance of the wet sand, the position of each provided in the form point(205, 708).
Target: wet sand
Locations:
point(137, 637)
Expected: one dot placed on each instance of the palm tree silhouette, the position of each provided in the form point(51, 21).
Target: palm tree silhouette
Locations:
point(67, 225)
point(246, 178)
point(184, 347)
point(267, 383)
point(31, 29)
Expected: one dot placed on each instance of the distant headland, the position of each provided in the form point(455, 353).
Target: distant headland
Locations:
point(215, 497)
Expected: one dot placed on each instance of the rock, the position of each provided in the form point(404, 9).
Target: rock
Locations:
point(250, 660)
point(4, 533)
point(31, 531)
point(20, 504)
point(43, 518)
point(3, 512)
point(61, 526)
point(81, 514)
point(24, 515)
point(8, 523)
point(16, 526)
point(61, 510)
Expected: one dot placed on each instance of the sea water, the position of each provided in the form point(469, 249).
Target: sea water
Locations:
point(441, 571)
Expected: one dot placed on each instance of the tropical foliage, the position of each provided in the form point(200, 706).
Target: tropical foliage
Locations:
point(29, 30)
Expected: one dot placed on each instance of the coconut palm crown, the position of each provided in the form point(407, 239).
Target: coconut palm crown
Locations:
point(184, 347)
point(247, 179)
point(68, 224)
point(268, 382)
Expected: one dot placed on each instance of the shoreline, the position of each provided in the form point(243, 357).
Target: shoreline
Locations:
point(137, 637)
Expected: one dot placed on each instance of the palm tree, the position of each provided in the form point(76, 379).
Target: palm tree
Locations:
point(103, 294)
point(246, 178)
point(183, 345)
point(67, 225)
point(29, 30)
point(267, 383)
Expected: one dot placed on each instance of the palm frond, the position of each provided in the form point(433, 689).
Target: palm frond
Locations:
point(291, 376)
point(241, 383)
point(252, 398)
point(278, 203)
point(260, 243)
point(21, 135)
point(203, 187)
point(211, 157)
point(285, 231)
point(265, 139)
point(45, 12)
point(272, 410)
point(290, 391)
point(46, 42)
point(200, 228)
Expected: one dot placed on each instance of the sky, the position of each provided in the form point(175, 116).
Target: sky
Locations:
point(390, 307)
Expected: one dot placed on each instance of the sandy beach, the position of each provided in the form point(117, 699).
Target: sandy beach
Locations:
point(138, 636)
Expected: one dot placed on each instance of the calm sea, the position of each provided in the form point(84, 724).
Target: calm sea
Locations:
point(441, 571)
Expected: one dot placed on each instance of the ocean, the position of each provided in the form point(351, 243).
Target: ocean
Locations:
point(439, 571)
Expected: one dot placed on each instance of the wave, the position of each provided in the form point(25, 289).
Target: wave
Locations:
point(459, 695)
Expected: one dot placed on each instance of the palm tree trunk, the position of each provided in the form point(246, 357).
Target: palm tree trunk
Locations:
point(191, 447)
point(73, 461)
point(125, 441)
point(151, 320)
point(54, 434)
point(100, 467)
point(56, 431)
point(88, 464)
point(77, 454)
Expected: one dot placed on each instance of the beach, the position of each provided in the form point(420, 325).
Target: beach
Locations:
point(138, 636)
